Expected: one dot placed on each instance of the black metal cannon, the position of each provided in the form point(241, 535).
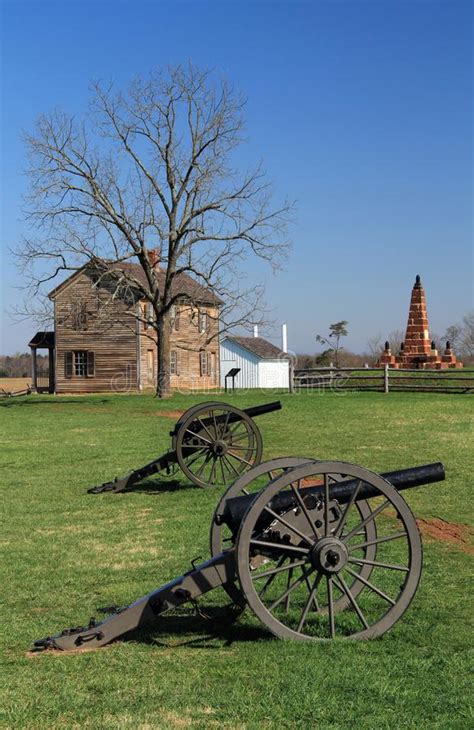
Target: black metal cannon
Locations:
point(212, 443)
point(317, 549)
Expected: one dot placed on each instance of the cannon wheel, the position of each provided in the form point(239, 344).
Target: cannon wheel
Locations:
point(248, 482)
point(215, 443)
point(251, 482)
point(327, 559)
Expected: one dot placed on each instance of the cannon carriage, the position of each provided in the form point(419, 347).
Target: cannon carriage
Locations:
point(212, 443)
point(318, 550)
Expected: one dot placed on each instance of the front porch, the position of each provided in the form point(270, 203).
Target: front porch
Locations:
point(42, 379)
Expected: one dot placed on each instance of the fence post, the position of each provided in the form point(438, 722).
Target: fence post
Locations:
point(291, 380)
point(385, 379)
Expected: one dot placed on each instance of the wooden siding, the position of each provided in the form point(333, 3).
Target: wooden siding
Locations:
point(119, 343)
point(255, 372)
point(187, 341)
point(109, 332)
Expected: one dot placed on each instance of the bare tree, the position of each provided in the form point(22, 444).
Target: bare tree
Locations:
point(453, 335)
point(152, 169)
point(461, 336)
point(375, 348)
point(396, 338)
point(467, 344)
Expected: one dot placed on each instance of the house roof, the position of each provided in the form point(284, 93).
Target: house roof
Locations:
point(42, 339)
point(182, 283)
point(259, 347)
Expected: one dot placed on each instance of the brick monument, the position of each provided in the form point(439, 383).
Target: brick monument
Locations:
point(418, 350)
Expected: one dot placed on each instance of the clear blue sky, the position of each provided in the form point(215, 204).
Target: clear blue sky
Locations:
point(361, 111)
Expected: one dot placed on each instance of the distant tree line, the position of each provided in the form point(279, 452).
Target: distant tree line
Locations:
point(19, 365)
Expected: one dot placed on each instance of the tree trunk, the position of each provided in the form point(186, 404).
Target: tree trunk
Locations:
point(163, 386)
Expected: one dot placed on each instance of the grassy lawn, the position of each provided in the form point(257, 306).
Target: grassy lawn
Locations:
point(64, 553)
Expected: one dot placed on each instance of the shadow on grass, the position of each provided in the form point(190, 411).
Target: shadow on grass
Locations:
point(158, 486)
point(213, 632)
point(51, 401)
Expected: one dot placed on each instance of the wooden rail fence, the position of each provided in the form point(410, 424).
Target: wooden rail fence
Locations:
point(383, 380)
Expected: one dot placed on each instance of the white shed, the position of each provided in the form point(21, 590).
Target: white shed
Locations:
point(262, 365)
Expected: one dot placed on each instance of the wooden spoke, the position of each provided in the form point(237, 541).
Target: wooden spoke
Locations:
point(287, 524)
point(326, 505)
point(272, 577)
point(315, 601)
point(345, 588)
point(222, 470)
point(212, 475)
point(311, 599)
point(288, 583)
point(376, 564)
point(216, 429)
point(224, 427)
point(243, 448)
point(198, 436)
point(332, 627)
point(278, 569)
point(206, 461)
point(377, 541)
point(196, 457)
point(371, 517)
point(303, 507)
point(229, 463)
point(280, 546)
point(371, 586)
point(205, 428)
point(345, 515)
point(289, 590)
point(240, 458)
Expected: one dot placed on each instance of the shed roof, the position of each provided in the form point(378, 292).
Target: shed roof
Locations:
point(182, 283)
point(258, 346)
point(42, 339)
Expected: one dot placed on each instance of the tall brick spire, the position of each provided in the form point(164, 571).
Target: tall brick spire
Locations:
point(418, 350)
point(417, 338)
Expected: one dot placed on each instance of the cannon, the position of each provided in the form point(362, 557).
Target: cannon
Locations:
point(317, 549)
point(212, 443)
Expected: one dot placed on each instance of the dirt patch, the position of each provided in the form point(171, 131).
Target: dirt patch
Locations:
point(308, 482)
point(170, 414)
point(451, 532)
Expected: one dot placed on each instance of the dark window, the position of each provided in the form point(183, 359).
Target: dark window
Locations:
point(68, 356)
point(90, 364)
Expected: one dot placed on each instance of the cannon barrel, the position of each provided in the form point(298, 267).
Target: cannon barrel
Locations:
point(236, 508)
point(230, 417)
point(254, 411)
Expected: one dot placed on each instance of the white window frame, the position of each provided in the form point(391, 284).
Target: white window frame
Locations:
point(80, 363)
point(203, 321)
point(174, 362)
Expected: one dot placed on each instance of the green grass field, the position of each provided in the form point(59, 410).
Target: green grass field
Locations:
point(64, 553)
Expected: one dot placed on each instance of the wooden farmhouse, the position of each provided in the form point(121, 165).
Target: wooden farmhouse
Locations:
point(100, 344)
